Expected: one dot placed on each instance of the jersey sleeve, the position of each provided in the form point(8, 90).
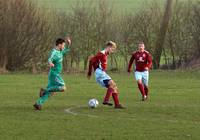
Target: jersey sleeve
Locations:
point(149, 61)
point(65, 50)
point(131, 62)
point(90, 66)
point(94, 62)
point(103, 62)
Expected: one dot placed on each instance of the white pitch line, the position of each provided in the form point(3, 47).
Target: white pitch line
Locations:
point(69, 111)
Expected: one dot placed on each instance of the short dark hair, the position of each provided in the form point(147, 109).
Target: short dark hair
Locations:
point(59, 41)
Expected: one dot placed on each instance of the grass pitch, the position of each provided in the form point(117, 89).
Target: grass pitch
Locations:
point(172, 112)
point(118, 5)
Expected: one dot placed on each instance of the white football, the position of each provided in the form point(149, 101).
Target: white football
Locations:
point(93, 103)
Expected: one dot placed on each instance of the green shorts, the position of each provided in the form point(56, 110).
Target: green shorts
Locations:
point(55, 79)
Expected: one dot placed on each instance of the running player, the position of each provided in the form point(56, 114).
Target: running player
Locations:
point(55, 81)
point(143, 62)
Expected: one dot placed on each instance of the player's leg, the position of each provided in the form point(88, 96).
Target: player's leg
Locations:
point(56, 88)
point(102, 79)
point(145, 80)
point(138, 77)
point(47, 93)
point(58, 85)
point(108, 93)
point(113, 87)
point(41, 93)
point(50, 82)
point(43, 98)
point(55, 84)
point(105, 81)
point(44, 94)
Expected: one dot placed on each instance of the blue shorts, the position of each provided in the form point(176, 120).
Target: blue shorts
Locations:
point(102, 78)
point(144, 76)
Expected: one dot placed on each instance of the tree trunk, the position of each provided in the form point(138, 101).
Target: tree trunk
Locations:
point(161, 35)
point(172, 53)
point(165, 57)
point(34, 69)
point(4, 60)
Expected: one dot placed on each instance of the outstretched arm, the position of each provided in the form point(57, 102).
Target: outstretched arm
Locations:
point(65, 50)
point(67, 45)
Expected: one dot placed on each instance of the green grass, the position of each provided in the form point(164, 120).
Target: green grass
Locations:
point(172, 112)
point(119, 5)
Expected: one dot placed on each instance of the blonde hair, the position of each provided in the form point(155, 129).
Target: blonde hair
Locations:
point(112, 44)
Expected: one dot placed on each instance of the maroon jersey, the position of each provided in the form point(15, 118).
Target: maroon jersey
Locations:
point(142, 60)
point(98, 61)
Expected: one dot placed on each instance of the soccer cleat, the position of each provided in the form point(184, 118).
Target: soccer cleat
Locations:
point(41, 92)
point(37, 107)
point(107, 103)
point(144, 98)
point(119, 107)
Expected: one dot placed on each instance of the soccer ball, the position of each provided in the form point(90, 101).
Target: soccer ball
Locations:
point(93, 103)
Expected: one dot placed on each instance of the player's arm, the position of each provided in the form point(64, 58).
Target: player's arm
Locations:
point(91, 63)
point(130, 63)
point(50, 59)
point(149, 61)
point(103, 61)
point(67, 45)
point(66, 49)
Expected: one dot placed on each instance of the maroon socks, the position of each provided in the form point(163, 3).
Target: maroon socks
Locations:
point(115, 98)
point(141, 88)
point(146, 90)
point(108, 94)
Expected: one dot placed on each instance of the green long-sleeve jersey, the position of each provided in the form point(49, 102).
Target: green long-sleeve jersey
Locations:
point(56, 57)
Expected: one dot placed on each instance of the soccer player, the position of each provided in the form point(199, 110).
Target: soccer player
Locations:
point(143, 62)
point(99, 64)
point(55, 81)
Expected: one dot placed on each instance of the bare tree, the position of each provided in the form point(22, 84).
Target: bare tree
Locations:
point(162, 33)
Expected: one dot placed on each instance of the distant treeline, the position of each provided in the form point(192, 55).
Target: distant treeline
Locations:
point(171, 34)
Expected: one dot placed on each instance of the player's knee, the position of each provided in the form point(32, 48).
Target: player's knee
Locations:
point(111, 84)
point(63, 88)
point(115, 89)
point(139, 81)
